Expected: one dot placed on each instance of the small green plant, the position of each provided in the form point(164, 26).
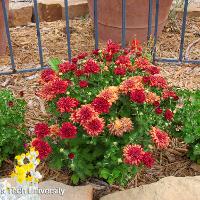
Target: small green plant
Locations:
point(187, 122)
point(12, 112)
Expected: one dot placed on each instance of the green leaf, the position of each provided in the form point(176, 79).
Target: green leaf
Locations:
point(104, 173)
point(75, 179)
point(197, 150)
point(116, 173)
point(54, 62)
point(56, 163)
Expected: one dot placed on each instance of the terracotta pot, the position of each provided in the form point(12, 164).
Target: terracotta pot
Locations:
point(3, 38)
point(110, 18)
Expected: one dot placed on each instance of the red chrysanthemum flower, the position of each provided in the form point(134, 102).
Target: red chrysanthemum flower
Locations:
point(108, 57)
point(84, 114)
point(137, 96)
point(160, 138)
point(158, 81)
point(82, 55)
point(126, 50)
point(66, 104)
point(152, 69)
point(79, 72)
point(42, 147)
point(67, 67)
point(74, 60)
point(91, 67)
point(123, 61)
point(156, 103)
point(169, 115)
point(158, 111)
point(48, 75)
point(112, 48)
point(94, 127)
point(148, 159)
point(169, 94)
point(41, 130)
point(71, 156)
point(146, 79)
point(101, 105)
point(10, 104)
point(68, 131)
point(59, 86)
point(53, 88)
point(83, 84)
point(95, 52)
point(133, 154)
point(120, 71)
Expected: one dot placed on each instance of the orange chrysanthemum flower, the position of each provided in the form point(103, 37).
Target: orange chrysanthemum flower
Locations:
point(151, 97)
point(133, 83)
point(111, 94)
point(84, 114)
point(133, 154)
point(160, 138)
point(120, 126)
point(54, 129)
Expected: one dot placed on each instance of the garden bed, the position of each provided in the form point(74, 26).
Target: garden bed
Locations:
point(172, 162)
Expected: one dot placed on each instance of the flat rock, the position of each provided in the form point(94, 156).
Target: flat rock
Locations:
point(70, 193)
point(53, 190)
point(52, 10)
point(169, 188)
point(20, 14)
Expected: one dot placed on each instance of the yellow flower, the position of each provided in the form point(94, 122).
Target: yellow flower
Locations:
point(21, 179)
point(26, 172)
point(20, 170)
point(20, 159)
point(30, 166)
point(29, 179)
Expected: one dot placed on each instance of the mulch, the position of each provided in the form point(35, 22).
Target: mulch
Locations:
point(174, 161)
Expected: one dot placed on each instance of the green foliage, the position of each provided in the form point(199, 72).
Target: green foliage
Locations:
point(187, 122)
point(12, 138)
point(54, 62)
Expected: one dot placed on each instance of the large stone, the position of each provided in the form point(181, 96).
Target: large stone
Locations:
point(20, 14)
point(77, 8)
point(170, 188)
point(52, 10)
point(56, 189)
point(70, 193)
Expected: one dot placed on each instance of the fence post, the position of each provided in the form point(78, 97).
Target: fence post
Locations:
point(37, 20)
point(5, 15)
point(156, 29)
point(183, 31)
point(150, 19)
point(68, 31)
point(123, 23)
point(96, 28)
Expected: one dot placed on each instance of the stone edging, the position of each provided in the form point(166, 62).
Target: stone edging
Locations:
point(21, 14)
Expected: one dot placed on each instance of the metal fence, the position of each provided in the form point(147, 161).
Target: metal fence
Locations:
point(178, 60)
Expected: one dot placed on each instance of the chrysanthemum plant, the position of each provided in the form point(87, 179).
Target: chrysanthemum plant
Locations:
point(109, 111)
